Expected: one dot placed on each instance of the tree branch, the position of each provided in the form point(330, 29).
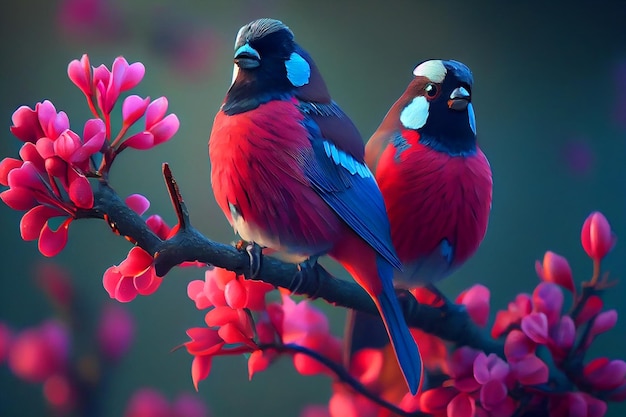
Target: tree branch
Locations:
point(188, 244)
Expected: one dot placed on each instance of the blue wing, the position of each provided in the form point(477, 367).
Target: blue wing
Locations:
point(349, 188)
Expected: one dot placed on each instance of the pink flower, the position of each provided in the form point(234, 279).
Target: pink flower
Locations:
point(517, 346)
point(109, 84)
point(548, 299)
point(115, 331)
point(158, 127)
point(79, 72)
point(133, 109)
point(44, 121)
point(556, 269)
point(476, 301)
point(138, 203)
point(204, 344)
point(530, 370)
point(224, 288)
point(596, 236)
point(517, 309)
point(535, 326)
point(578, 404)
point(37, 353)
point(605, 375)
point(135, 275)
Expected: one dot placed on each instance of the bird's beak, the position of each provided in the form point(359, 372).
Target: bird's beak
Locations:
point(247, 57)
point(459, 99)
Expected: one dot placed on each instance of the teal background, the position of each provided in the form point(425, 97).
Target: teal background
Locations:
point(547, 97)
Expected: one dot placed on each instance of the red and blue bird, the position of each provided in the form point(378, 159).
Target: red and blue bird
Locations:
point(436, 184)
point(288, 170)
point(435, 180)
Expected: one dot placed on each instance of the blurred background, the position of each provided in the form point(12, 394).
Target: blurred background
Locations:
point(550, 100)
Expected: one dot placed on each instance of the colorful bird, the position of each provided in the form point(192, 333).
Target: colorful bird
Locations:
point(435, 180)
point(287, 169)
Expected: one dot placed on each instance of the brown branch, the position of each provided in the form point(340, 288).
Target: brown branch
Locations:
point(188, 244)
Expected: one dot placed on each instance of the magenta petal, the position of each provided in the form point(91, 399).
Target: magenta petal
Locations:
point(29, 153)
point(517, 346)
point(604, 322)
point(564, 333)
point(51, 242)
point(548, 299)
point(111, 279)
point(26, 126)
point(137, 203)
point(481, 372)
point(165, 129)
point(462, 406)
point(476, 301)
point(65, 146)
point(535, 326)
point(18, 198)
point(6, 166)
point(556, 269)
point(93, 137)
point(531, 371)
point(80, 191)
point(145, 282)
point(133, 109)
point(33, 221)
point(492, 394)
point(26, 176)
point(133, 75)
point(53, 123)
point(125, 290)
point(141, 140)
point(79, 72)
point(195, 288)
point(45, 147)
point(596, 236)
point(137, 261)
point(156, 112)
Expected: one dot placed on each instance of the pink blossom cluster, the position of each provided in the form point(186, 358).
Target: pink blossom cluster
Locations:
point(542, 368)
point(136, 274)
point(50, 179)
point(240, 321)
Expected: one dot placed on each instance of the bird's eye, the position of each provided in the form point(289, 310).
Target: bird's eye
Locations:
point(431, 90)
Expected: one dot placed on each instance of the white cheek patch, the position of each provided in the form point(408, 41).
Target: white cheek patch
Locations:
point(298, 70)
point(434, 70)
point(472, 117)
point(235, 73)
point(415, 114)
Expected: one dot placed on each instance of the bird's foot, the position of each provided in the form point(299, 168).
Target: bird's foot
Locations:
point(255, 253)
point(306, 273)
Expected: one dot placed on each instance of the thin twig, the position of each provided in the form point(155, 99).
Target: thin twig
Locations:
point(343, 374)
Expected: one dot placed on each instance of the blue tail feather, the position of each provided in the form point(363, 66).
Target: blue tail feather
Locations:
point(406, 349)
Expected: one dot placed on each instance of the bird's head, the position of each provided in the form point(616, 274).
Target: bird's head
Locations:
point(268, 60)
point(438, 104)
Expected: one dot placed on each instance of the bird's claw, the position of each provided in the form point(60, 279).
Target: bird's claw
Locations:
point(305, 273)
point(255, 253)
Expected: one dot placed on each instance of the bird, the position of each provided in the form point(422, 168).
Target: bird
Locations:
point(435, 180)
point(288, 171)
